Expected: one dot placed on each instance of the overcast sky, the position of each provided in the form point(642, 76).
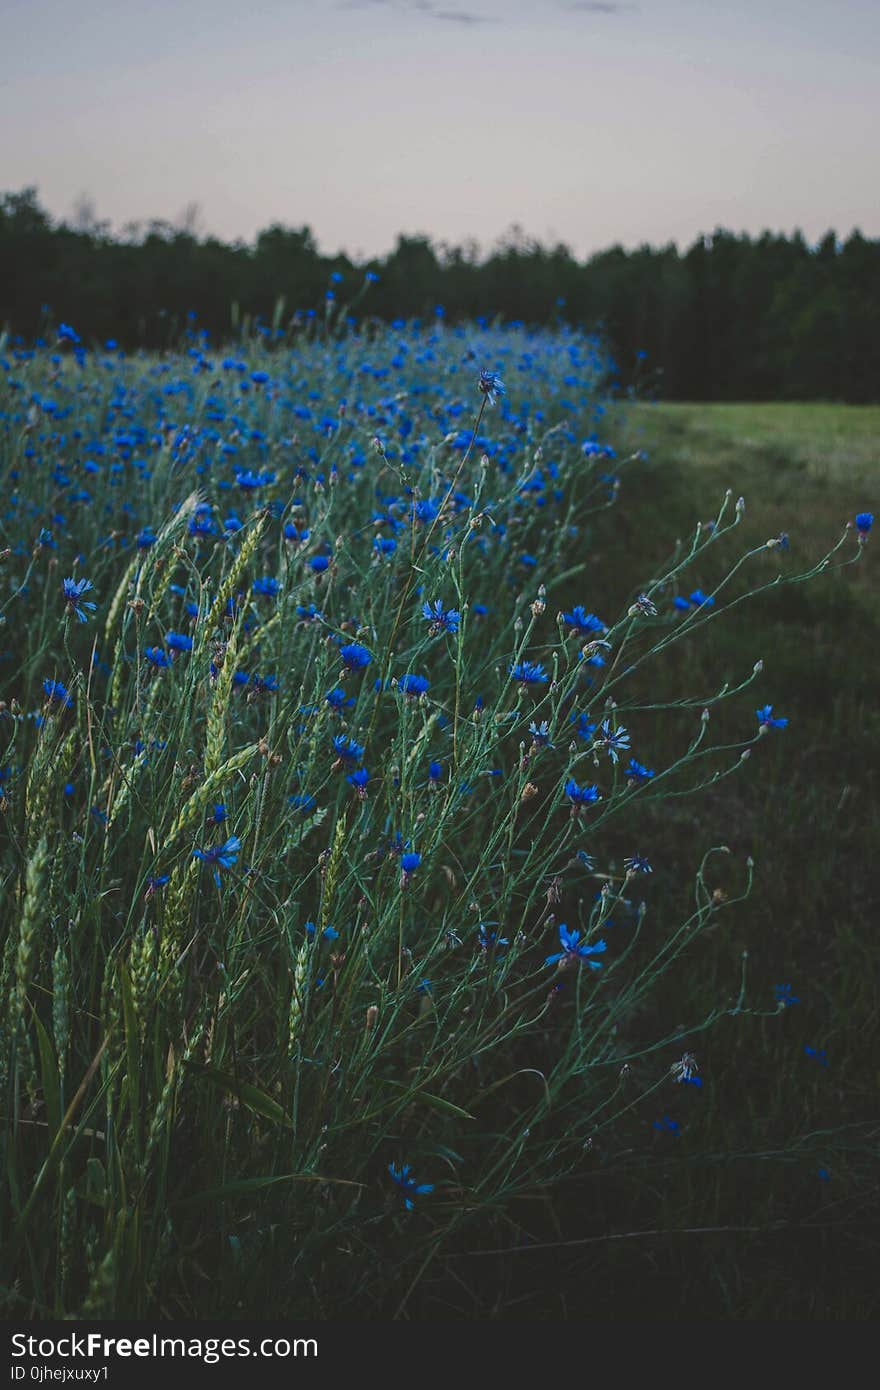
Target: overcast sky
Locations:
point(586, 123)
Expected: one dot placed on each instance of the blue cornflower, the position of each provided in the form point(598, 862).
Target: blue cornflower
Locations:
point(668, 1124)
point(637, 772)
point(73, 590)
point(178, 641)
point(385, 545)
point(580, 796)
point(529, 673)
point(637, 864)
point(766, 719)
point(354, 656)
point(220, 856)
point(337, 699)
point(540, 733)
point(582, 622)
point(441, 619)
point(347, 750)
point(408, 1185)
point(263, 685)
point(686, 1068)
point(435, 772)
point(155, 882)
point(293, 533)
point(413, 685)
point(699, 599)
point(785, 996)
point(56, 691)
point(820, 1055)
point(488, 940)
point(156, 656)
point(267, 586)
point(491, 385)
point(328, 934)
point(584, 729)
point(410, 862)
point(680, 602)
point(319, 563)
point(302, 802)
point(219, 814)
point(574, 950)
point(359, 780)
point(864, 522)
point(66, 334)
point(612, 740)
point(145, 538)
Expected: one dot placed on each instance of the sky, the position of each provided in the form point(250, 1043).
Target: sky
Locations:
point(591, 124)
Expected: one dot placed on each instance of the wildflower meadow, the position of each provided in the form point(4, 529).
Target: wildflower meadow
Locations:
point(366, 938)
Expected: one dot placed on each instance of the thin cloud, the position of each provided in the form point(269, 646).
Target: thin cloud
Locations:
point(467, 18)
point(598, 7)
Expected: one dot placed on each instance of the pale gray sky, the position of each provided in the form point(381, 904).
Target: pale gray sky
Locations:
point(590, 123)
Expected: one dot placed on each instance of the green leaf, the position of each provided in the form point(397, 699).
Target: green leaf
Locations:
point(49, 1073)
point(436, 1102)
point(251, 1096)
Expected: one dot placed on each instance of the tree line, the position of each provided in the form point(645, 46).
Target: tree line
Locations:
point(732, 317)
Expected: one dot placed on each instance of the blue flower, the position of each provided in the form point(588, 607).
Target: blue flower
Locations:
point(157, 657)
point(73, 589)
point(488, 940)
point(410, 862)
point(145, 538)
point(667, 1124)
point(328, 934)
point(819, 1055)
point(267, 586)
point(584, 729)
point(319, 563)
point(408, 1185)
point(302, 802)
point(529, 673)
point(435, 772)
point(612, 740)
point(766, 719)
point(785, 995)
point(574, 950)
point(413, 685)
point(219, 814)
point(178, 641)
point(580, 796)
point(441, 619)
point(337, 699)
point(347, 750)
point(359, 780)
point(864, 522)
point(637, 864)
point(583, 623)
point(699, 599)
point(220, 856)
point(491, 385)
point(540, 734)
point(354, 656)
point(56, 691)
point(637, 772)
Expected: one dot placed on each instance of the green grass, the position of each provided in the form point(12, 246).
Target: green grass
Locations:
point(797, 1247)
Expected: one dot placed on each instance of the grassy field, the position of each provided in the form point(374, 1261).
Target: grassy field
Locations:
point(295, 818)
point(793, 1174)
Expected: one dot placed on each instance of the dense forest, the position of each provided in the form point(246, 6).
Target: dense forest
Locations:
point(730, 318)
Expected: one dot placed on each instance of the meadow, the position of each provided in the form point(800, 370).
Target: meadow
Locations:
point(440, 802)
